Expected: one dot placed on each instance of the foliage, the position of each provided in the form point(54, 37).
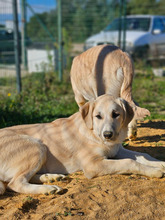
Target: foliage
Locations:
point(149, 92)
point(146, 7)
point(35, 30)
point(142, 7)
point(81, 19)
point(44, 99)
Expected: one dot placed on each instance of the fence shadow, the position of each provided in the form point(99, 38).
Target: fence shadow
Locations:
point(153, 124)
point(153, 138)
point(156, 152)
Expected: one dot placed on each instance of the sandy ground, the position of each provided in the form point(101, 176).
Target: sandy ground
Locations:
point(108, 197)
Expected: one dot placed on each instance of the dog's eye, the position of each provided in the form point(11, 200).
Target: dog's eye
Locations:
point(115, 114)
point(98, 116)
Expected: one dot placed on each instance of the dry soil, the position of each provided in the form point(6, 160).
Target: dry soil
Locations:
point(108, 197)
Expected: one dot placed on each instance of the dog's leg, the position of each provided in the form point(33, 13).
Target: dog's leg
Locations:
point(20, 182)
point(120, 166)
point(132, 130)
point(48, 177)
point(142, 158)
point(31, 157)
point(21, 185)
point(2, 188)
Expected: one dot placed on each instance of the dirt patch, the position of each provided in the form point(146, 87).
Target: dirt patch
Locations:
point(108, 197)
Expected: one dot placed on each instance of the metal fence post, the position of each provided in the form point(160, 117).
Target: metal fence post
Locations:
point(120, 23)
point(16, 45)
point(124, 23)
point(59, 41)
point(23, 39)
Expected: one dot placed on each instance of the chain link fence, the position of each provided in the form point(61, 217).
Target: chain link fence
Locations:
point(39, 30)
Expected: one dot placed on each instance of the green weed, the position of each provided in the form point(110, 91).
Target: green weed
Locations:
point(149, 92)
point(44, 99)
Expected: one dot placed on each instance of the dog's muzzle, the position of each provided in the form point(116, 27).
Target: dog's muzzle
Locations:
point(108, 135)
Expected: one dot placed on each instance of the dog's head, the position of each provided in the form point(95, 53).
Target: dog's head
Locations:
point(108, 118)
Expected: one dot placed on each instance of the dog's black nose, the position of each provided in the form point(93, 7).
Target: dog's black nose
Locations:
point(108, 134)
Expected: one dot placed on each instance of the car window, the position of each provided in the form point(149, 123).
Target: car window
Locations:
point(132, 24)
point(5, 35)
point(2, 32)
point(113, 26)
point(159, 25)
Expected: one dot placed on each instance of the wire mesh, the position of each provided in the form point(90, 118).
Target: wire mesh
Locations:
point(80, 20)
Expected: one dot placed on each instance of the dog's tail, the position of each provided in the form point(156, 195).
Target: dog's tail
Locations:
point(126, 88)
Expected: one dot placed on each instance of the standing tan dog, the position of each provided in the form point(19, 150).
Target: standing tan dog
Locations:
point(105, 69)
point(84, 141)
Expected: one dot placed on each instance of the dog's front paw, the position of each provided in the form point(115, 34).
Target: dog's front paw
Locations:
point(155, 172)
point(162, 167)
point(45, 178)
point(53, 189)
point(132, 134)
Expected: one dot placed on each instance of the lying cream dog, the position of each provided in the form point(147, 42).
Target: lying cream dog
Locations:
point(84, 141)
point(105, 69)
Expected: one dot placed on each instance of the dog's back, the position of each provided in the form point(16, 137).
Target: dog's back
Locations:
point(104, 69)
point(100, 70)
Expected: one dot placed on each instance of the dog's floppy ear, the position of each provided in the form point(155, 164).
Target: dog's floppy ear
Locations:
point(128, 111)
point(87, 112)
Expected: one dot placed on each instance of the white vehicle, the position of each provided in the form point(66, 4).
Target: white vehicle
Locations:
point(145, 36)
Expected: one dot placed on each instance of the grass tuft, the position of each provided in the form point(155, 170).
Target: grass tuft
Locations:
point(44, 99)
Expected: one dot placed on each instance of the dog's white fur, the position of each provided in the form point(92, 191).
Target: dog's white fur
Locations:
point(105, 69)
point(90, 140)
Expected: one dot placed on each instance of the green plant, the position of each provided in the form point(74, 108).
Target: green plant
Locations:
point(43, 99)
point(149, 92)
